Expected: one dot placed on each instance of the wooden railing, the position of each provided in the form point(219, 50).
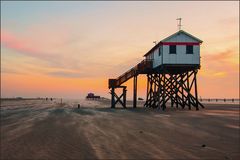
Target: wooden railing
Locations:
point(138, 69)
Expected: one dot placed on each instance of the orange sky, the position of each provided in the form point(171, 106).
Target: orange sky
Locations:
point(67, 49)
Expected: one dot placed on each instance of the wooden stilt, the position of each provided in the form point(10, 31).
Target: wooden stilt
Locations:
point(196, 94)
point(147, 91)
point(113, 98)
point(176, 88)
point(182, 82)
point(171, 88)
point(134, 91)
point(124, 97)
point(188, 89)
point(121, 99)
point(164, 90)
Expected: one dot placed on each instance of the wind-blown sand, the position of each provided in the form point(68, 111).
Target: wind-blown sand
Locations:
point(39, 129)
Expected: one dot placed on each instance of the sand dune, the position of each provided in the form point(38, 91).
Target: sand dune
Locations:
point(39, 129)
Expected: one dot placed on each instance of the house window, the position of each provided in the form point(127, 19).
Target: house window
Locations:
point(159, 51)
point(149, 56)
point(172, 49)
point(189, 49)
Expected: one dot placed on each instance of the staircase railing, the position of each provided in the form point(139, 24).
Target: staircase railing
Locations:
point(138, 69)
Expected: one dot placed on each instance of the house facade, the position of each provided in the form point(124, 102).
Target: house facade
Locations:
point(181, 48)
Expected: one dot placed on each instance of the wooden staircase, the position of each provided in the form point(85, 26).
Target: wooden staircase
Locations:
point(140, 68)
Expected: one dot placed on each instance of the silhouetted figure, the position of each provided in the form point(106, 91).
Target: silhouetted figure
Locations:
point(224, 100)
point(232, 100)
point(51, 99)
point(46, 99)
point(78, 106)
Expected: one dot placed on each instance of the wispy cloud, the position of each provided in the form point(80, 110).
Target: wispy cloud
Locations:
point(230, 21)
point(222, 56)
point(220, 64)
point(66, 74)
point(93, 59)
point(53, 61)
point(22, 45)
point(219, 74)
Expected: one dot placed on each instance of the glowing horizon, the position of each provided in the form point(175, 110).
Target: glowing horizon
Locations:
point(67, 49)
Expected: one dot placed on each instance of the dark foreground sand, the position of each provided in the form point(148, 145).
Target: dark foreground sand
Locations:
point(38, 129)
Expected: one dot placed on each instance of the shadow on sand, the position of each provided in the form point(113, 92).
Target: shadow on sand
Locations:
point(83, 111)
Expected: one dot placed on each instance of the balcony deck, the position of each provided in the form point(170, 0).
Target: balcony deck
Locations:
point(146, 67)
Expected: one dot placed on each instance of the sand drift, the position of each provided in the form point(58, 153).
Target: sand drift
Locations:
point(39, 129)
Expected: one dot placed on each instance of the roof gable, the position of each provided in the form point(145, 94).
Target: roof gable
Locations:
point(181, 32)
point(186, 35)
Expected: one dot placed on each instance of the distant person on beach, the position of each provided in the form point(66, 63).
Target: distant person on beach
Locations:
point(78, 106)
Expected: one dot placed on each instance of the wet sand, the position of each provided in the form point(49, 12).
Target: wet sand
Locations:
point(39, 129)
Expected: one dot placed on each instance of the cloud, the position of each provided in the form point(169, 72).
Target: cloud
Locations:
point(8, 70)
point(222, 56)
point(51, 60)
point(220, 65)
point(219, 74)
point(66, 74)
point(229, 21)
point(22, 45)
point(95, 59)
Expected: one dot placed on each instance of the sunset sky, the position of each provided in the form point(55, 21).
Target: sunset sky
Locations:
point(67, 49)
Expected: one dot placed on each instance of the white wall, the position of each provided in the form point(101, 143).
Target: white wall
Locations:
point(180, 57)
point(157, 59)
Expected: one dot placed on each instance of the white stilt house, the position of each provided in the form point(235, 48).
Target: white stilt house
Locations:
point(181, 48)
point(171, 67)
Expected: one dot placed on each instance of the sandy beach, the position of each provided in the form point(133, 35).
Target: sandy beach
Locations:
point(40, 129)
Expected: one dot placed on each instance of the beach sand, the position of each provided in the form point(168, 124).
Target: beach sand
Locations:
point(40, 129)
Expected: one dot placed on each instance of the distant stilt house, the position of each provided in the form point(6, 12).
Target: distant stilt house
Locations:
point(91, 96)
point(171, 67)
